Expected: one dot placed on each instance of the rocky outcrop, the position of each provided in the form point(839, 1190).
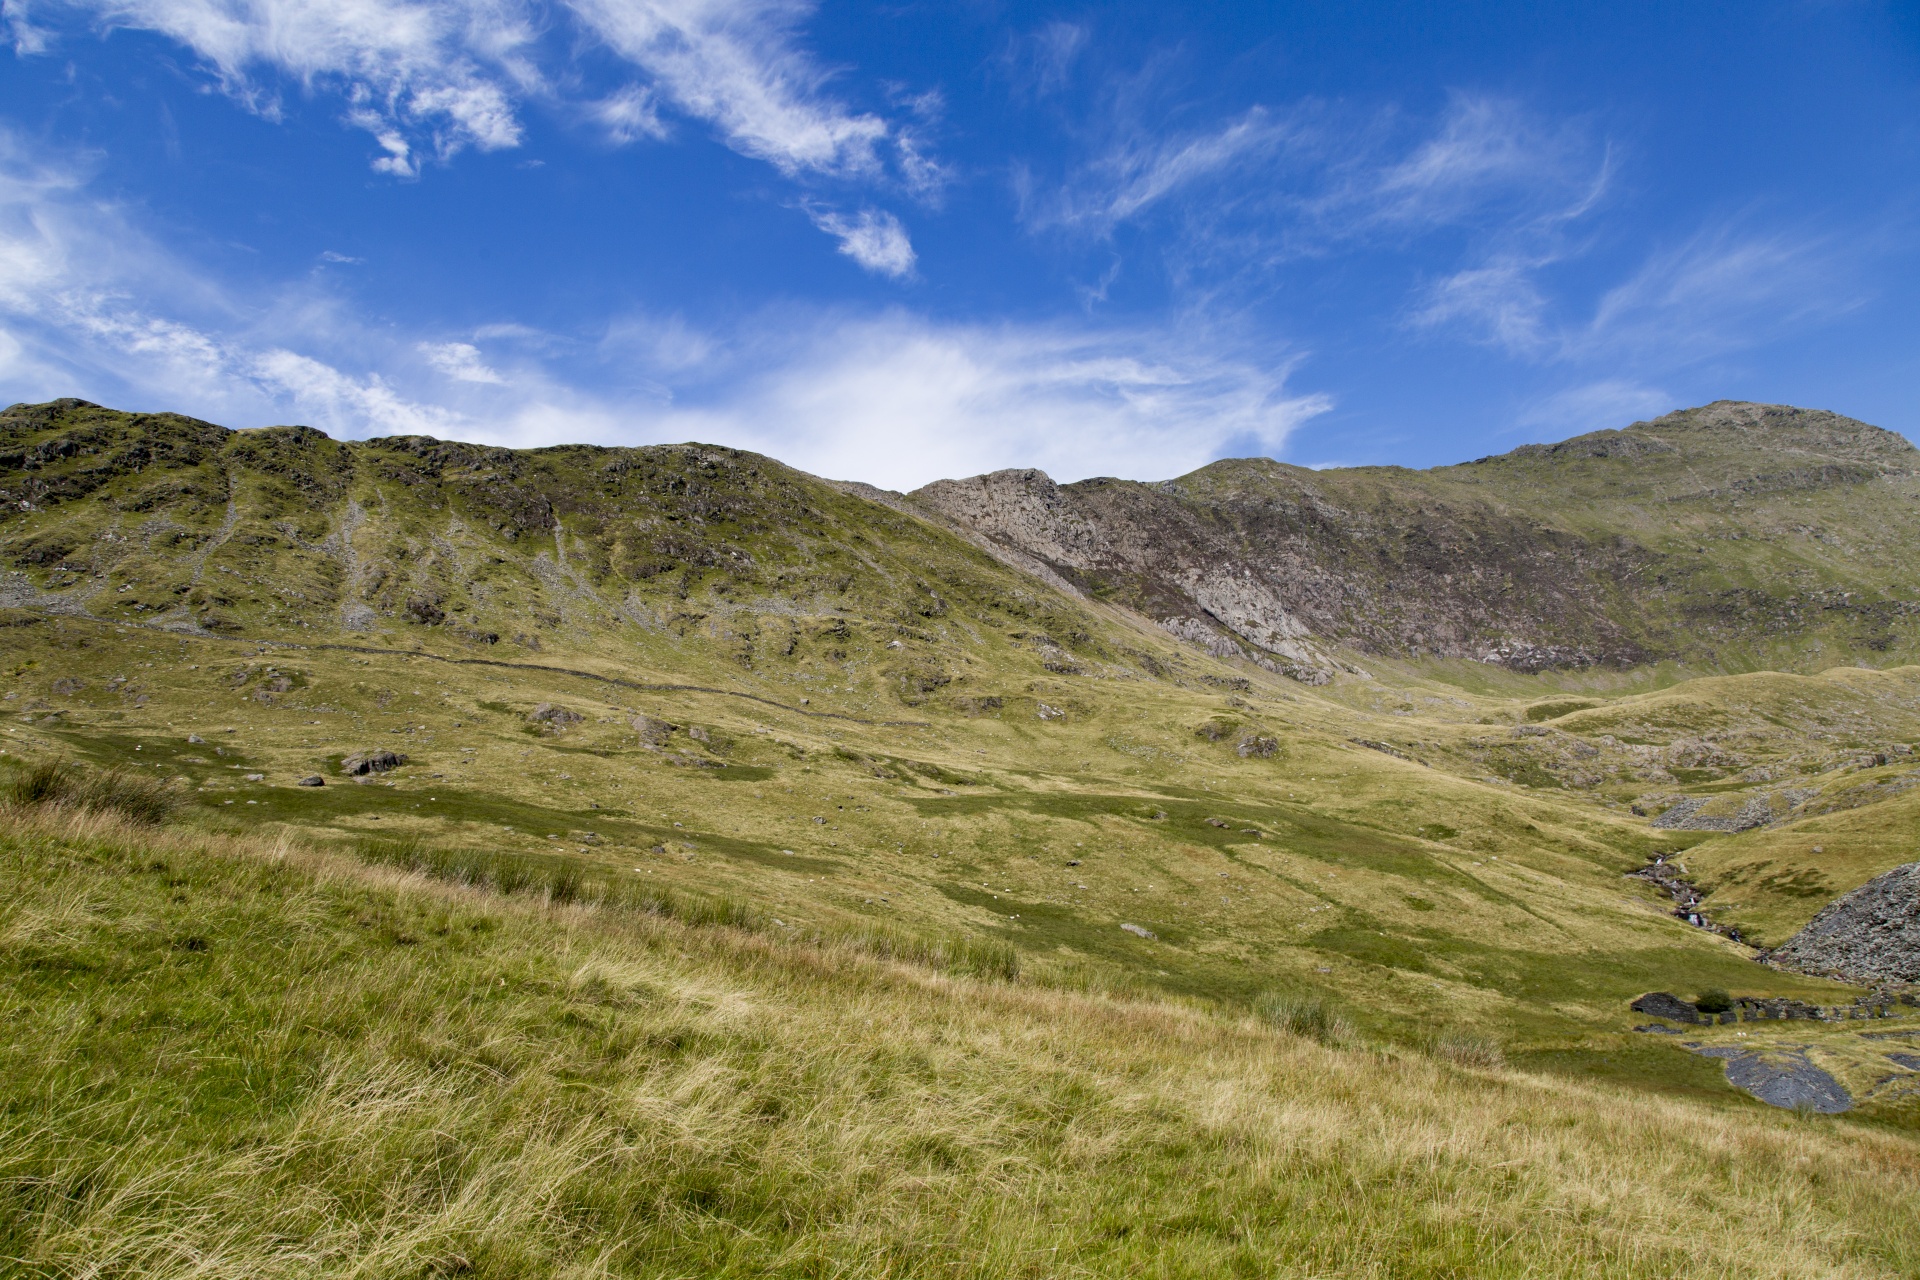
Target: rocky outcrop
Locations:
point(1869, 937)
point(1664, 1004)
point(362, 763)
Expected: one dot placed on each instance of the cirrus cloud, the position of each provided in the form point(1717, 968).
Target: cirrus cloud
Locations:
point(431, 78)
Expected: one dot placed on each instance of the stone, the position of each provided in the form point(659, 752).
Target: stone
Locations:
point(311, 780)
point(1870, 937)
point(362, 763)
point(1140, 931)
point(652, 732)
point(554, 717)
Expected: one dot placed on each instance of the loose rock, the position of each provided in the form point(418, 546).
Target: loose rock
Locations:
point(555, 718)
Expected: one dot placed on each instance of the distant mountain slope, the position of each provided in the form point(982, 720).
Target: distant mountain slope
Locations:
point(1734, 535)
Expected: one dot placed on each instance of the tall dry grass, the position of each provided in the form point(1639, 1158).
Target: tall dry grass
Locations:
point(363, 1071)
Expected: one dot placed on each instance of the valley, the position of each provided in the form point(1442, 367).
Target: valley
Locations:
point(1006, 763)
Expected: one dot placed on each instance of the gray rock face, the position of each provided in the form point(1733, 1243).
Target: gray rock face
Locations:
point(554, 717)
point(1869, 937)
point(1785, 1080)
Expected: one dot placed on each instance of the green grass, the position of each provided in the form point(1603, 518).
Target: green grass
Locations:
point(232, 1060)
point(138, 798)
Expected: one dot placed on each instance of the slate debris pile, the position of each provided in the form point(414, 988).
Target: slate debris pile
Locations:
point(1788, 1080)
point(1869, 937)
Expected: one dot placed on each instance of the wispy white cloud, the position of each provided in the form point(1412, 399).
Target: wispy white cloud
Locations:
point(355, 406)
point(90, 306)
point(1041, 63)
point(1499, 303)
point(1132, 177)
point(1489, 153)
point(873, 238)
point(1719, 291)
point(1292, 180)
point(430, 78)
point(736, 65)
point(629, 114)
point(433, 75)
point(1594, 406)
point(460, 361)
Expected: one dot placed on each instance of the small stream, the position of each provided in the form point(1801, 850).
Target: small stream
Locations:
point(1671, 877)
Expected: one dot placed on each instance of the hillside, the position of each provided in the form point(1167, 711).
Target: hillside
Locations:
point(1731, 537)
point(686, 724)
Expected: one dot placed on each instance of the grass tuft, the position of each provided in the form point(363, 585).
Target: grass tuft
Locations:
point(1306, 1016)
point(1469, 1050)
point(135, 797)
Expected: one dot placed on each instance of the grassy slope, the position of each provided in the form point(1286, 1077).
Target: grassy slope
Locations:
point(234, 1059)
point(1425, 899)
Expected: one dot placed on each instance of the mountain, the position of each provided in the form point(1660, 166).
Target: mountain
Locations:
point(1730, 537)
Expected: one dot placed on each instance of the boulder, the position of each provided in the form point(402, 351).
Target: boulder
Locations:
point(362, 763)
point(1868, 937)
point(553, 717)
point(652, 732)
point(1786, 1079)
point(311, 780)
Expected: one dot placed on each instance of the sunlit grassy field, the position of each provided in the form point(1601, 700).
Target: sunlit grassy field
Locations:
point(236, 1057)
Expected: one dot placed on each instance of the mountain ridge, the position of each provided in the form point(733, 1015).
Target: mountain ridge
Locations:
point(1491, 560)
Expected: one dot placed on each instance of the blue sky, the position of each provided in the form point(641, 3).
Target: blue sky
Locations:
point(894, 242)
